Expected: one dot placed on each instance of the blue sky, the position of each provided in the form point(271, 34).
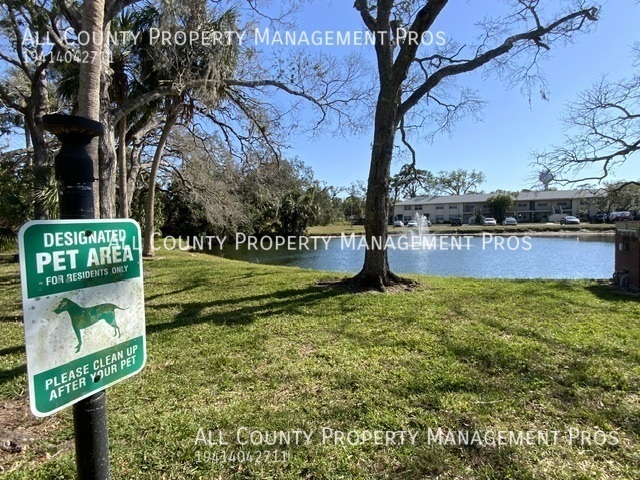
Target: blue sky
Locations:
point(512, 126)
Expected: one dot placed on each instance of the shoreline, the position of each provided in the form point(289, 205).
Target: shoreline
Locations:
point(479, 233)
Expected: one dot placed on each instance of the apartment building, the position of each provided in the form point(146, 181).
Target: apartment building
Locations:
point(529, 206)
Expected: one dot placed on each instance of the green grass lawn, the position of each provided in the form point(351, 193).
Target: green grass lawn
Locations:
point(336, 229)
point(235, 348)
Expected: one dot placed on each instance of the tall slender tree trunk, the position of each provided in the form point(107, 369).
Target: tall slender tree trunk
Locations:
point(123, 205)
point(107, 172)
point(132, 174)
point(90, 76)
point(40, 160)
point(40, 98)
point(107, 163)
point(172, 116)
point(135, 166)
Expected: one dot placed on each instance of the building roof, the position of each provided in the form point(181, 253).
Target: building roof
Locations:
point(483, 197)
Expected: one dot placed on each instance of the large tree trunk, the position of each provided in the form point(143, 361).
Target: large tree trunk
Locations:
point(375, 272)
point(172, 116)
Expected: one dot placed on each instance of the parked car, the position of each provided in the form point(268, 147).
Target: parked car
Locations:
point(509, 221)
point(412, 223)
point(620, 216)
point(601, 218)
point(398, 223)
point(456, 221)
point(489, 221)
point(569, 220)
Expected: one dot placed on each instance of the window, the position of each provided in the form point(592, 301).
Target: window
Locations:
point(523, 205)
point(407, 207)
point(439, 218)
point(439, 207)
point(453, 207)
point(542, 204)
point(418, 207)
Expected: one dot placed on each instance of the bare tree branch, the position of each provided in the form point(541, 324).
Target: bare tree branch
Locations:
point(604, 131)
point(409, 48)
point(508, 44)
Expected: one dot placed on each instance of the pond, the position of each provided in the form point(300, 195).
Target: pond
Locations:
point(564, 256)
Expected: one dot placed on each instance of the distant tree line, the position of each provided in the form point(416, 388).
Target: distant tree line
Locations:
point(202, 190)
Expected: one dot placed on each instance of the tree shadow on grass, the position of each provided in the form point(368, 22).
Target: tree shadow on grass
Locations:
point(192, 313)
point(10, 279)
point(631, 357)
point(572, 379)
point(11, 373)
point(200, 280)
point(611, 293)
point(12, 350)
point(185, 289)
point(273, 303)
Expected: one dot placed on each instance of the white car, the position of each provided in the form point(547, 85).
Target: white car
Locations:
point(509, 221)
point(569, 220)
point(489, 221)
point(412, 223)
point(620, 216)
point(398, 223)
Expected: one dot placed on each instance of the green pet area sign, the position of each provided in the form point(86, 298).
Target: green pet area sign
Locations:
point(83, 302)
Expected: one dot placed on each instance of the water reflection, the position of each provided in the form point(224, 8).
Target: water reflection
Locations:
point(566, 256)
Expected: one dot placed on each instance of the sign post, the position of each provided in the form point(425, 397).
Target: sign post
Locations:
point(83, 300)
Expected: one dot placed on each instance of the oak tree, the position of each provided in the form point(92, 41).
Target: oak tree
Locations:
point(414, 85)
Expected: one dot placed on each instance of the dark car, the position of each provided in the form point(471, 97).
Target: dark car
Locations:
point(601, 218)
point(456, 221)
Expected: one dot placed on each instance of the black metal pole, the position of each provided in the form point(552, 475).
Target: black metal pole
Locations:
point(74, 172)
